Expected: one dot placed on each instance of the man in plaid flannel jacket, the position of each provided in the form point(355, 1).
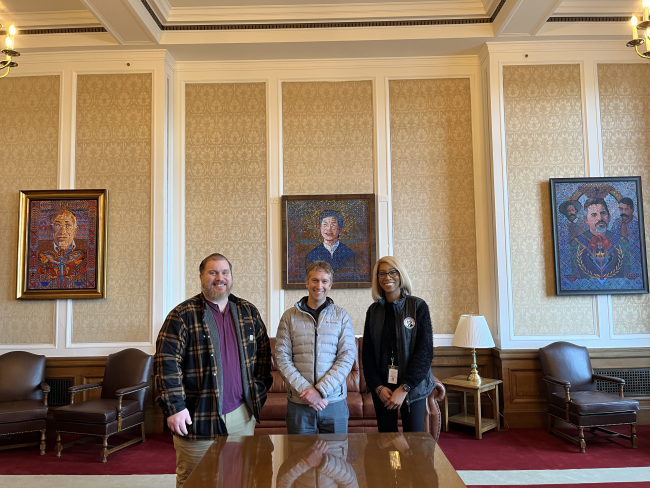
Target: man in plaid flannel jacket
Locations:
point(212, 366)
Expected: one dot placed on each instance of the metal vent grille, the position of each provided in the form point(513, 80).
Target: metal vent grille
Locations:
point(637, 381)
point(59, 395)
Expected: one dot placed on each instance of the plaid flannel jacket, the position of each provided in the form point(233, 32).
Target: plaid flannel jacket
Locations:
point(186, 368)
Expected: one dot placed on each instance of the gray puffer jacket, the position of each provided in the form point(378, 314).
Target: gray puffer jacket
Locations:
point(319, 355)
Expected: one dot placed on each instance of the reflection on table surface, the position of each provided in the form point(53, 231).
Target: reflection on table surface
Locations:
point(325, 460)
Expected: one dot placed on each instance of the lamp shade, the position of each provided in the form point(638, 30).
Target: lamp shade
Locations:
point(472, 331)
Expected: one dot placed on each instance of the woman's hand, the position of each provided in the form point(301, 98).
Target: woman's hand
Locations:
point(385, 394)
point(396, 399)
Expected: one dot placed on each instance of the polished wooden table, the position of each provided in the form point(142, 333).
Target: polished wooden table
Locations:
point(460, 383)
point(350, 460)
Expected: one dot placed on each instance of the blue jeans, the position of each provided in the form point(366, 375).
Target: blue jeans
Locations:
point(302, 419)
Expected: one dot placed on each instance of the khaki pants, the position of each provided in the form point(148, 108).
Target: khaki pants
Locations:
point(189, 453)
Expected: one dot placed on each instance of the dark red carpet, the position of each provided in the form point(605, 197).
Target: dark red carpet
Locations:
point(515, 449)
point(520, 449)
point(156, 456)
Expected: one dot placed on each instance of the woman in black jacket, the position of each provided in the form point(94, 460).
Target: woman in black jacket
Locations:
point(397, 349)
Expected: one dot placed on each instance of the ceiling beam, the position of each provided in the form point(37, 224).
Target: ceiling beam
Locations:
point(120, 20)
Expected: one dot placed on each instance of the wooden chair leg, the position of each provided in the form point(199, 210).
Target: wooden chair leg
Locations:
point(581, 436)
point(43, 442)
point(59, 446)
point(144, 438)
point(104, 448)
point(549, 424)
point(633, 435)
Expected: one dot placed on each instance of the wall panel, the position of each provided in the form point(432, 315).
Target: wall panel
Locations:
point(433, 194)
point(226, 184)
point(113, 151)
point(328, 149)
point(29, 161)
point(624, 106)
point(544, 139)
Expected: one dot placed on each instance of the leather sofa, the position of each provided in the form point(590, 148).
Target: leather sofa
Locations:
point(362, 411)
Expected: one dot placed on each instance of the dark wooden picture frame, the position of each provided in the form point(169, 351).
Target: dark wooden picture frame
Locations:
point(354, 255)
point(62, 244)
point(598, 236)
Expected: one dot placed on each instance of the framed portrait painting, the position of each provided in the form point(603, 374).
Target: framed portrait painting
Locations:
point(62, 244)
point(599, 236)
point(337, 229)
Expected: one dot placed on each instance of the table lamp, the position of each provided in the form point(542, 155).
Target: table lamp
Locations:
point(473, 331)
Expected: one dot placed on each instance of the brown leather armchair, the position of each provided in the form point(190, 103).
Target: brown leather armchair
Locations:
point(120, 407)
point(574, 398)
point(23, 396)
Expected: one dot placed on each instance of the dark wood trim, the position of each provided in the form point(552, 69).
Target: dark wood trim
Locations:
point(524, 393)
point(522, 398)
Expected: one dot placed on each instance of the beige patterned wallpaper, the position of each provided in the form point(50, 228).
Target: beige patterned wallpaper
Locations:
point(226, 185)
point(328, 131)
point(433, 194)
point(29, 161)
point(626, 146)
point(328, 149)
point(113, 151)
point(544, 139)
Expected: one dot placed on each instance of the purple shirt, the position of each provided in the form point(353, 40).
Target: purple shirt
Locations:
point(233, 393)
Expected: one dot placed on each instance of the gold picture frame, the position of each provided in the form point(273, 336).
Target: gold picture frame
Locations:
point(62, 244)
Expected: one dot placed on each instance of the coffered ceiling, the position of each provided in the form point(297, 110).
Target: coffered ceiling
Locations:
point(197, 30)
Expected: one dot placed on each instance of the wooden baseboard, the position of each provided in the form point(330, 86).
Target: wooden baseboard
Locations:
point(524, 401)
point(522, 396)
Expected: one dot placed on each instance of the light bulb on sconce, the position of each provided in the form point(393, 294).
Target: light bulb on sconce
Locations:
point(643, 25)
point(9, 51)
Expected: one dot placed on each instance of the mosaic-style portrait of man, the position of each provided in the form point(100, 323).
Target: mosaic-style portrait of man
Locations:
point(62, 245)
point(339, 256)
point(339, 231)
point(599, 242)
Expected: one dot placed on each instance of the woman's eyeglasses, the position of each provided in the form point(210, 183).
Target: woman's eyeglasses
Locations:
point(393, 273)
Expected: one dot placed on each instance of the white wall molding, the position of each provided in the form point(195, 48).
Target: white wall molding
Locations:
point(554, 52)
point(68, 66)
point(307, 65)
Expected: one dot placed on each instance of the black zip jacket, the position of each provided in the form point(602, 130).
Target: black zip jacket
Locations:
point(414, 346)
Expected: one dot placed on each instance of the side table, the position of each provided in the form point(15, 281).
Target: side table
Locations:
point(460, 383)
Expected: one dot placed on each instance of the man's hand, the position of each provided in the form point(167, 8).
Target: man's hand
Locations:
point(396, 399)
point(385, 394)
point(314, 455)
point(176, 422)
point(320, 405)
point(311, 396)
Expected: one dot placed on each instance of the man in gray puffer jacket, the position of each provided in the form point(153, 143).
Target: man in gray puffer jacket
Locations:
point(315, 351)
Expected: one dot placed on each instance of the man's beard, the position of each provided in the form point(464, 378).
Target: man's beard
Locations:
point(626, 218)
point(214, 296)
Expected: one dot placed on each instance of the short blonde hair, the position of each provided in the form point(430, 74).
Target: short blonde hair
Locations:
point(319, 266)
point(405, 281)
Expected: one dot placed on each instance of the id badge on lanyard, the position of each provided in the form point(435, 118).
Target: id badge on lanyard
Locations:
point(392, 373)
